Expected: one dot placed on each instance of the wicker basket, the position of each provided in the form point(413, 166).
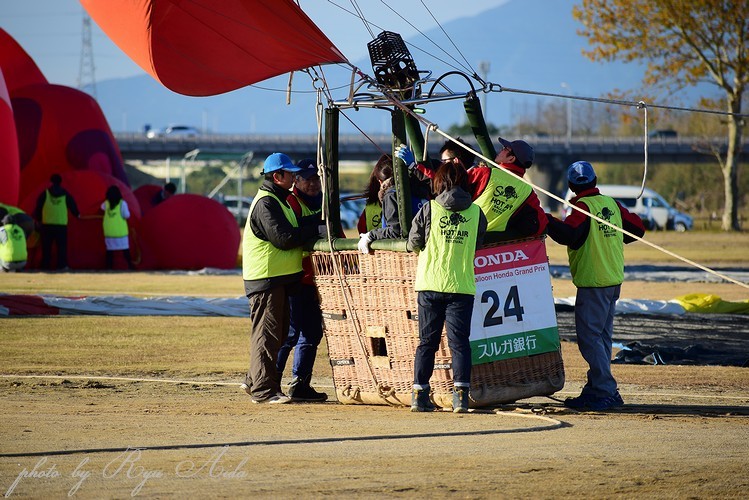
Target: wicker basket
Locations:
point(369, 306)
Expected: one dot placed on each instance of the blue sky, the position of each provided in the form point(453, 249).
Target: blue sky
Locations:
point(50, 30)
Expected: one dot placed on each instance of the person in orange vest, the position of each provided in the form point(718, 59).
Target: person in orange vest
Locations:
point(51, 211)
point(116, 233)
point(13, 252)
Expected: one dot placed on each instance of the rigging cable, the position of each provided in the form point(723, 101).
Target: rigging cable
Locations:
point(490, 161)
point(643, 106)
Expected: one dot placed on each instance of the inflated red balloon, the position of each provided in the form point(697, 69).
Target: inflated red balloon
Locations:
point(61, 129)
point(189, 231)
point(86, 248)
point(19, 68)
point(145, 194)
point(9, 166)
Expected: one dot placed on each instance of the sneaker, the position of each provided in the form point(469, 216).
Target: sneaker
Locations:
point(591, 402)
point(307, 393)
point(245, 388)
point(600, 404)
point(277, 399)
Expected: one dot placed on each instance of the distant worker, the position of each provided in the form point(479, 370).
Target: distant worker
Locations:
point(512, 208)
point(371, 217)
point(391, 227)
point(164, 193)
point(52, 212)
point(596, 254)
point(116, 233)
point(272, 271)
point(13, 251)
point(445, 232)
point(305, 327)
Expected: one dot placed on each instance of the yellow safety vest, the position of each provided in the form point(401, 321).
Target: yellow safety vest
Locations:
point(115, 226)
point(600, 261)
point(260, 259)
point(503, 194)
point(55, 210)
point(446, 262)
point(373, 215)
point(14, 248)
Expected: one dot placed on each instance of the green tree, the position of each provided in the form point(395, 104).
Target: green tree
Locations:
point(684, 42)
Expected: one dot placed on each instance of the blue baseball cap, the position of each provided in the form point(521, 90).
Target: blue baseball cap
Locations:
point(279, 161)
point(581, 172)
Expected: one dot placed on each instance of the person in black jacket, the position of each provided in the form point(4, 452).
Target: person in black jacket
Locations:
point(272, 271)
point(51, 211)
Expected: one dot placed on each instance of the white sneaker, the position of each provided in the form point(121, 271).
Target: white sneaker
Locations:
point(245, 388)
point(278, 399)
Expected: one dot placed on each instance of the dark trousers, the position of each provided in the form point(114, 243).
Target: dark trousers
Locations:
point(109, 258)
point(58, 235)
point(437, 309)
point(305, 332)
point(594, 326)
point(269, 314)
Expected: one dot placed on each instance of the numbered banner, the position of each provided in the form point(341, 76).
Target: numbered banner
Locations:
point(513, 314)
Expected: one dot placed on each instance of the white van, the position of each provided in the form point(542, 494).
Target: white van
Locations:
point(654, 211)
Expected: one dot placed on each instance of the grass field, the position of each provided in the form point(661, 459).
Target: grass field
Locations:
point(150, 406)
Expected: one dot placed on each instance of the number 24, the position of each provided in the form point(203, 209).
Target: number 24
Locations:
point(512, 306)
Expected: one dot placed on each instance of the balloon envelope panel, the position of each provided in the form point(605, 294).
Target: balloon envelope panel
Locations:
point(189, 231)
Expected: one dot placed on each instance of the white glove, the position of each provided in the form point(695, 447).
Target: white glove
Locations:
point(364, 241)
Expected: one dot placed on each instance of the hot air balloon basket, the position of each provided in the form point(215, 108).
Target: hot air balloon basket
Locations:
point(371, 327)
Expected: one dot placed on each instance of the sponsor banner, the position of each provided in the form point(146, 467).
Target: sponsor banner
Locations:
point(513, 313)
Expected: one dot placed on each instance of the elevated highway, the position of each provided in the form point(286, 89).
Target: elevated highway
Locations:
point(553, 154)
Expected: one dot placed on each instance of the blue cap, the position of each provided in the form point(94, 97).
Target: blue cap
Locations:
point(581, 172)
point(279, 161)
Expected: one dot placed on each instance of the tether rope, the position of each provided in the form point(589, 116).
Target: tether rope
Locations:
point(490, 161)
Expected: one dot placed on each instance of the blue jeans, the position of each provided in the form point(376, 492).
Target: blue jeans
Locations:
point(594, 327)
point(305, 332)
point(435, 310)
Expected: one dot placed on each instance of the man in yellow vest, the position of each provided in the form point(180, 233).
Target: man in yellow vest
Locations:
point(596, 253)
point(272, 271)
point(52, 211)
point(13, 253)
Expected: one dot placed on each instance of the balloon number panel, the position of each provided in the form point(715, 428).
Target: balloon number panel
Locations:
point(513, 313)
point(372, 329)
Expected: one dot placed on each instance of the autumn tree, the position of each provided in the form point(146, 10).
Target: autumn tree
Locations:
point(683, 42)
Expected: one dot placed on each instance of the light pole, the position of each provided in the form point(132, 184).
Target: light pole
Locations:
point(569, 112)
point(484, 67)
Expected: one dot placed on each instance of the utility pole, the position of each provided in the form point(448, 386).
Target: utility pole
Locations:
point(86, 76)
point(564, 85)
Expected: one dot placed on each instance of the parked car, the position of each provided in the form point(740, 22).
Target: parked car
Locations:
point(240, 208)
point(351, 209)
point(653, 209)
point(174, 131)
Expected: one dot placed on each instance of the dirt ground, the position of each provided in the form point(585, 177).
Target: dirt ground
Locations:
point(682, 433)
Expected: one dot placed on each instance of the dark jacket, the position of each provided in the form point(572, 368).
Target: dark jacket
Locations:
point(455, 200)
point(268, 222)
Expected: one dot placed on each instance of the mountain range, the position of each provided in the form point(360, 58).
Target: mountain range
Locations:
point(525, 44)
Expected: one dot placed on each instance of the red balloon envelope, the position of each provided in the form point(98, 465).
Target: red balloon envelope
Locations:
point(207, 47)
point(20, 69)
point(86, 248)
point(145, 194)
point(9, 167)
point(62, 129)
point(189, 231)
